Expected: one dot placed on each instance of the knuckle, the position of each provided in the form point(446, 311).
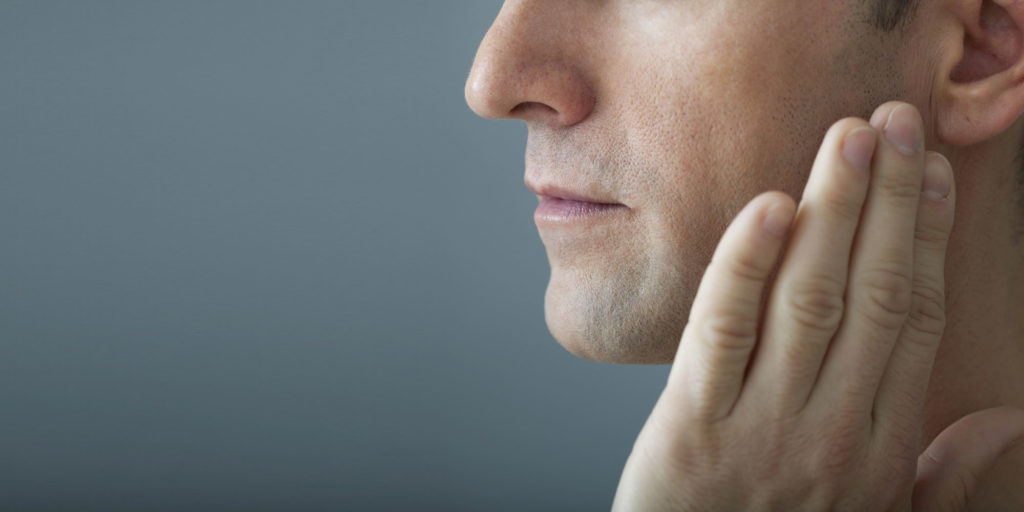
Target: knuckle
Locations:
point(900, 457)
point(842, 204)
point(928, 313)
point(729, 333)
point(843, 449)
point(900, 410)
point(772, 454)
point(931, 236)
point(747, 266)
point(897, 187)
point(886, 297)
point(817, 303)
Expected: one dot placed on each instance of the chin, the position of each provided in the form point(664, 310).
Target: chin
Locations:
point(614, 323)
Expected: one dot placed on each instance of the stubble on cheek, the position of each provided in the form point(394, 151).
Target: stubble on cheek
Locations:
point(701, 141)
point(628, 302)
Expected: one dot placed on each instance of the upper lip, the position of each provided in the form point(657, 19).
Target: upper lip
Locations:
point(558, 192)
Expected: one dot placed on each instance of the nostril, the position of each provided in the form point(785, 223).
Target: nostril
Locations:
point(506, 84)
point(533, 108)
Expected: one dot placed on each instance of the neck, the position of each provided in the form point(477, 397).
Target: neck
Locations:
point(979, 363)
point(982, 353)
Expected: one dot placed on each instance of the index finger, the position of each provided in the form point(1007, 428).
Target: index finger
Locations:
point(725, 318)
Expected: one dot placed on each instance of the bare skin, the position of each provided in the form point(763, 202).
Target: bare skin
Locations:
point(812, 398)
point(682, 112)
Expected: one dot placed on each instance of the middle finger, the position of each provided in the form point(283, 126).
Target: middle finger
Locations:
point(806, 302)
point(878, 295)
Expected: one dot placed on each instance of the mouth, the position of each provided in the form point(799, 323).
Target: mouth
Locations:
point(562, 206)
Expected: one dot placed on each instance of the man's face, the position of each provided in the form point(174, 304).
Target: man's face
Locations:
point(680, 111)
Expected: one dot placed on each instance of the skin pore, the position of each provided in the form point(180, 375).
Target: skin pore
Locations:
point(684, 111)
point(677, 110)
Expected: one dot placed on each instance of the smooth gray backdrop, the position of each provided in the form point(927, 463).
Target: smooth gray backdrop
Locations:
point(259, 255)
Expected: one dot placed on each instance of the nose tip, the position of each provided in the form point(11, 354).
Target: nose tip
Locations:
point(551, 92)
point(525, 71)
point(483, 93)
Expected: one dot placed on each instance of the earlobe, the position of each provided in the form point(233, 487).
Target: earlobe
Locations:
point(984, 93)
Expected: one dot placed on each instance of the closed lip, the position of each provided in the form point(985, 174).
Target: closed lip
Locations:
point(556, 192)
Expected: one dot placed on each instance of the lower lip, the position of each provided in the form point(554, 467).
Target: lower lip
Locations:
point(555, 210)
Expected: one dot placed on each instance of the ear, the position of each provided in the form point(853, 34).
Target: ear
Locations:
point(984, 92)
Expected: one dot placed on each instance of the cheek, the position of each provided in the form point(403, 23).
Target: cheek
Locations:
point(719, 119)
point(709, 146)
point(711, 126)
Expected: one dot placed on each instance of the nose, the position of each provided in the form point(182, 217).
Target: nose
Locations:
point(529, 67)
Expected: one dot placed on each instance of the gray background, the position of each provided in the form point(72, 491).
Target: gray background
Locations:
point(260, 255)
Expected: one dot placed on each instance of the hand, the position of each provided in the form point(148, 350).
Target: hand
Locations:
point(809, 395)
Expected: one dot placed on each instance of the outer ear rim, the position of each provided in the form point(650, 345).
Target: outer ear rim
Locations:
point(977, 111)
point(972, 112)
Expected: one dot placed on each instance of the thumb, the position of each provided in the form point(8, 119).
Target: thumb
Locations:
point(949, 470)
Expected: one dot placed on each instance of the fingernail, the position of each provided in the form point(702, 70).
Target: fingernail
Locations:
point(904, 129)
point(778, 218)
point(938, 178)
point(858, 146)
point(1004, 3)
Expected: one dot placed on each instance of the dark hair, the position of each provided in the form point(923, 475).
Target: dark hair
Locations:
point(890, 14)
